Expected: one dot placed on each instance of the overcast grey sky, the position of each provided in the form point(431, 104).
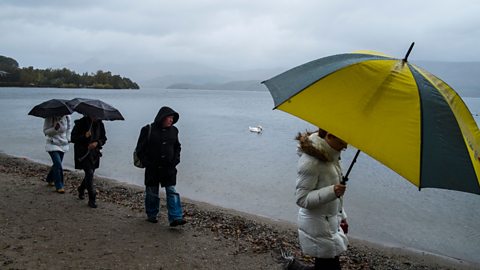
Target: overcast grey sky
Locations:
point(232, 34)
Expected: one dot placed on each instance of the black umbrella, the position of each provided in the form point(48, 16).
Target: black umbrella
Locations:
point(95, 108)
point(52, 107)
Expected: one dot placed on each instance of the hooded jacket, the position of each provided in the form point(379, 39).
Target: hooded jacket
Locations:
point(57, 139)
point(161, 152)
point(320, 212)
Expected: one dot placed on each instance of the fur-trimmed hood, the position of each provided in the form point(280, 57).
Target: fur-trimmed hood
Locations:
point(311, 144)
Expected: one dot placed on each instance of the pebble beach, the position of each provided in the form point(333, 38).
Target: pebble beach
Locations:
point(42, 229)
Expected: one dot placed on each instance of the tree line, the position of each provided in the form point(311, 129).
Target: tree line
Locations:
point(12, 75)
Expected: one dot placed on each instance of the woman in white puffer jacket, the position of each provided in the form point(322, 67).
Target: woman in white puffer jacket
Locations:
point(319, 194)
point(57, 129)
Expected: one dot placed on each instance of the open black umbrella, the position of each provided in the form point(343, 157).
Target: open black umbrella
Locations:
point(95, 108)
point(52, 107)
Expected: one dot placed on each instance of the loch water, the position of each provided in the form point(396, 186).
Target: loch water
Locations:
point(225, 164)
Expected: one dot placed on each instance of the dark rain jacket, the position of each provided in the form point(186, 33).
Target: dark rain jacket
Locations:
point(84, 158)
point(160, 154)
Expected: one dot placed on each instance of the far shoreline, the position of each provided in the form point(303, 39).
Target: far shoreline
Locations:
point(57, 87)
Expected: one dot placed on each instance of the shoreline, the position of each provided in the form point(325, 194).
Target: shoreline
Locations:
point(249, 235)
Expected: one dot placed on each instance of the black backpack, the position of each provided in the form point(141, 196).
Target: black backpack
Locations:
point(136, 161)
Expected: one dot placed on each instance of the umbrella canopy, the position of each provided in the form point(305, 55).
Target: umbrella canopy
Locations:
point(95, 108)
point(52, 107)
point(396, 112)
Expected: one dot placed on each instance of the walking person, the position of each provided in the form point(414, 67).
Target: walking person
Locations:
point(88, 136)
point(57, 129)
point(322, 222)
point(158, 149)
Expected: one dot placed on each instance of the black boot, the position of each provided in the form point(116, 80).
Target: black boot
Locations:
point(92, 195)
point(297, 265)
point(81, 193)
point(91, 199)
point(289, 262)
point(92, 204)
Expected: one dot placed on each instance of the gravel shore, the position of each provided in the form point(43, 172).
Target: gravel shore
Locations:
point(41, 229)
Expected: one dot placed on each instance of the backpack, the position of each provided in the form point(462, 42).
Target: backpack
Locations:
point(136, 161)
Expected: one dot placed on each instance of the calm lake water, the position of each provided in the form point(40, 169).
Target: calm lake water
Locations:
point(226, 165)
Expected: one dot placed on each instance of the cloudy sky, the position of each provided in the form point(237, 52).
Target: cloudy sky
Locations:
point(231, 34)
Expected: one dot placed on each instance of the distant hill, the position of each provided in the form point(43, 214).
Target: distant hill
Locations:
point(199, 78)
point(251, 85)
point(464, 77)
point(8, 64)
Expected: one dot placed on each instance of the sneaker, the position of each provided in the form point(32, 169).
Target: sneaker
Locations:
point(92, 204)
point(152, 219)
point(177, 222)
point(61, 190)
point(51, 184)
point(81, 193)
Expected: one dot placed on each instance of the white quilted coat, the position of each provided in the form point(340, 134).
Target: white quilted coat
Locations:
point(57, 139)
point(320, 213)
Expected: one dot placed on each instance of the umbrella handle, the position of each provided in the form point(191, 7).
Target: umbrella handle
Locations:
point(83, 157)
point(345, 178)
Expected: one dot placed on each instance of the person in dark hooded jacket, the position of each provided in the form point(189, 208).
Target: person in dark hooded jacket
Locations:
point(158, 148)
point(88, 136)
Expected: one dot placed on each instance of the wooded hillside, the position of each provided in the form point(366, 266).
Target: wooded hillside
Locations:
point(12, 75)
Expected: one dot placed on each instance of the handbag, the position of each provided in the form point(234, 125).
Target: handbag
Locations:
point(136, 161)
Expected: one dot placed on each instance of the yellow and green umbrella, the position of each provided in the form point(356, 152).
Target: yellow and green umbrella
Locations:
point(396, 112)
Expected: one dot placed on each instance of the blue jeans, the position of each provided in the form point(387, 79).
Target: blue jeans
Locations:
point(56, 171)
point(152, 203)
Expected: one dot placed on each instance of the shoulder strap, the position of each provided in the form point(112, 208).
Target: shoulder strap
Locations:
point(149, 132)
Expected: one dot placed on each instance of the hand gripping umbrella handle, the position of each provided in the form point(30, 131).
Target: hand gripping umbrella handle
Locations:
point(345, 178)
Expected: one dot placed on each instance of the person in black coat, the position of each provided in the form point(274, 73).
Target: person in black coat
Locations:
point(88, 136)
point(158, 148)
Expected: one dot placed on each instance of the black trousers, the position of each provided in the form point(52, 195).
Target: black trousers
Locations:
point(320, 264)
point(87, 184)
point(330, 263)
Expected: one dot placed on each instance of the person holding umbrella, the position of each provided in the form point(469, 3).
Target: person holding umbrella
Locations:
point(158, 149)
point(322, 221)
point(57, 129)
point(88, 136)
